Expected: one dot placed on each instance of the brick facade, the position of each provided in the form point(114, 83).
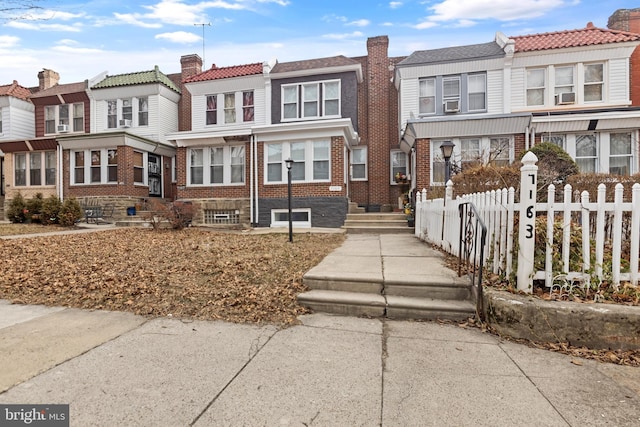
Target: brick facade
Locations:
point(629, 20)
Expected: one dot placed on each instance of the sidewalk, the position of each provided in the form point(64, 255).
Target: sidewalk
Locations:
point(121, 369)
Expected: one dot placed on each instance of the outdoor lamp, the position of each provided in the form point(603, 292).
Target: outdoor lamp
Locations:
point(447, 150)
point(289, 163)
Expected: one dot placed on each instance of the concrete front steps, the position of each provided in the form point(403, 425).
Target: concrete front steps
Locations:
point(377, 223)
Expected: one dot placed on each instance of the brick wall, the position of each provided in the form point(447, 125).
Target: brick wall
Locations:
point(190, 66)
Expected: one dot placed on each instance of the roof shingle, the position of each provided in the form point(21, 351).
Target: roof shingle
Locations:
point(63, 89)
point(138, 78)
point(588, 36)
point(454, 54)
point(215, 73)
point(15, 90)
point(313, 64)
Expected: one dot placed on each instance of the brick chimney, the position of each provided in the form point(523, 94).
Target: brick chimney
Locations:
point(47, 78)
point(629, 20)
point(190, 65)
point(378, 79)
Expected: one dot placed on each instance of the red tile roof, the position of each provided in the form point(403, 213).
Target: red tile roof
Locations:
point(588, 36)
point(15, 90)
point(215, 73)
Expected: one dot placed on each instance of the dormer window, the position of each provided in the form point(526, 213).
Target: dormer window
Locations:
point(593, 82)
point(122, 113)
point(234, 106)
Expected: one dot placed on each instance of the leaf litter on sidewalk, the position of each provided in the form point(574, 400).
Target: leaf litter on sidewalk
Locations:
point(192, 273)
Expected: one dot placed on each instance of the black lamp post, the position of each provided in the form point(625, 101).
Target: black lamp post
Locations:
point(447, 150)
point(289, 163)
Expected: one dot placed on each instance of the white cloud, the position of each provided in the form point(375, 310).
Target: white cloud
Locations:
point(395, 4)
point(502, 10)
point(8, 42)
point(179, 37)
point(360, 23)
point(68, 42)
point(343, 36)
point(334, 18)
point(425, 25)
point(178, 13)
point(131, 19)
point(40, 26)
point(76, 50)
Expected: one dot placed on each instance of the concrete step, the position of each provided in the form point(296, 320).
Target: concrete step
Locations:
point(377, 216)
point(374, 229)
point(375, 305)
point(377, 223)
point(355, 209)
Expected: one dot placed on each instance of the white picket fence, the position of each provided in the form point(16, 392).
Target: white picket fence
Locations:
point(603, 226)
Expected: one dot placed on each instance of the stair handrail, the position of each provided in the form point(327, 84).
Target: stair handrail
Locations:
point(472, 251)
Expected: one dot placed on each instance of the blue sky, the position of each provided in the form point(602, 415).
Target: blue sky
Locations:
point(81, 40)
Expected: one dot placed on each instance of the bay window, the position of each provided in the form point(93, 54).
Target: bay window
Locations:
point(224, 165)
point(96, 166)
point(312, 161)
point(35, 168)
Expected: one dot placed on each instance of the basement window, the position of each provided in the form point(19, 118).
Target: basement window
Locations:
point(221, 217)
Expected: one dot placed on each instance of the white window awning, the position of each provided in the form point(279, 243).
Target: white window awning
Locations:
point(460, 127)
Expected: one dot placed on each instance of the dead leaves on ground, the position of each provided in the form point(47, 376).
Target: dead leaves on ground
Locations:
point(190, 273)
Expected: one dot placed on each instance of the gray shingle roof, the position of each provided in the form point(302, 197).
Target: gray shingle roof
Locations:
point(454, 54)
point(313, 64)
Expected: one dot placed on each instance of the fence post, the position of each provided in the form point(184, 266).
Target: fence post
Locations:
point(527, 221)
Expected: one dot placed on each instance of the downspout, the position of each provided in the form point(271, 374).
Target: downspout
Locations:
point(526, 139)
point(251, 166)
point(255, 160)
point(60, 172)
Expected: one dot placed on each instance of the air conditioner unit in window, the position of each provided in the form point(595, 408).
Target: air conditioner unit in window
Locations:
point(566, 98)
point(63, 128)
point(452, 106)
point(125, 123)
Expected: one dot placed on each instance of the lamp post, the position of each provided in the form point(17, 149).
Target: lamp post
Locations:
point(447, 150)
point(289, 163)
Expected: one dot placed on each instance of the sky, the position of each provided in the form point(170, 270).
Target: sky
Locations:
point(82, 40)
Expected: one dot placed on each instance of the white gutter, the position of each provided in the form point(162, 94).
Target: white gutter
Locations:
point(251, 166)
point(255, 153)
point(60, 172)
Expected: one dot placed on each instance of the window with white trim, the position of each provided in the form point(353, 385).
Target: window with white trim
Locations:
point(587, 153)
point(34, 168)
point(437, 163)
point(559, 140)
point(359, 163)
point(477, 91)
point(593, 82)
point(229, 107)
point(236, 107)
point(451, 88)
point(299, 217)
point(311, 100)
point(223, 165)
point(139, 175)
point(399, 164)
point(248, 108)
point(564, 80)
point(536, 84)
point(212, 110)
point(97, 166)
point(127, 112)
point(427, 96)
point(620, 153)
point(500, 151)
point(312, 161)
point(470, 152)
point(64, 118)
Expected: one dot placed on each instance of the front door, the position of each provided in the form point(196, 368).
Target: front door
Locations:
point(155, 176)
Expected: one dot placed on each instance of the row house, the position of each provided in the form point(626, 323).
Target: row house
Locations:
point(495, 100)
point(101, 138)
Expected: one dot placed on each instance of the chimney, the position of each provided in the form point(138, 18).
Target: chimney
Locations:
point(47, 78)
point(190, 66)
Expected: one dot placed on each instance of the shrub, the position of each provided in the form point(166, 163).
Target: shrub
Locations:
point(17, 211)
point(51, 210)
point(70, 213)
point(34, 208)
point(481, 178)
point(178, 214)
point(590, 181)
point(555, 166)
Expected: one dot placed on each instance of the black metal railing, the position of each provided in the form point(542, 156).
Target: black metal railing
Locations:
point(473, 237)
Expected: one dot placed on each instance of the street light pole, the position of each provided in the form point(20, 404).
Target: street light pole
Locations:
point(289, 163)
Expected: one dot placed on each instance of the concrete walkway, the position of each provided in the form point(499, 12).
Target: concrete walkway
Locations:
point(119, 369)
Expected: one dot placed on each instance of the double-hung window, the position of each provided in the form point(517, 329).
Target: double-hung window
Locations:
point(229, 107)
point(451, 88)
point(127, 109)
point(564, 80)
point(143, 111)
point(557, 139)
point(620, 153)
point(311, 161)
point(311, 100)
point(500, 151)
point(34, 168)
point(593, 82)
point(536, 82)
point(399, 164)
point(78, 117)
point(223, 165)
point(477, 88)
point(64, 118)
point(138, 167)
point(427, 96)
point(470, 151)
point(126, 112)
point(359, 163)
point(112, 114)
point(587, 153)
point(212, 110)
point(437, 163)
point(97, 166)
point(248, 112)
